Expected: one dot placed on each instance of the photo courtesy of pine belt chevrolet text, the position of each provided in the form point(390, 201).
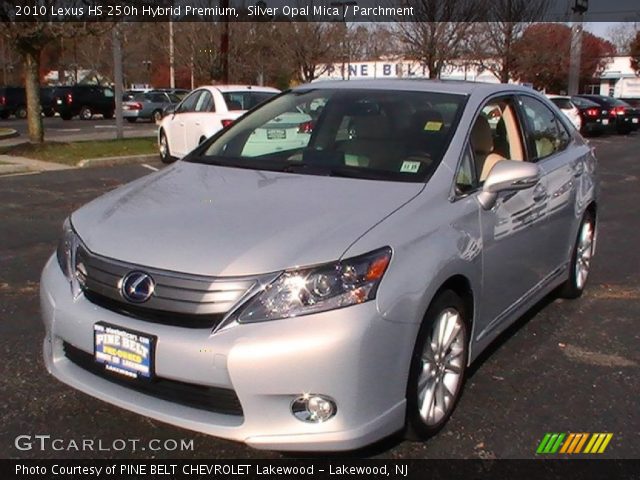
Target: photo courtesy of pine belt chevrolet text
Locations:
point(321, 272)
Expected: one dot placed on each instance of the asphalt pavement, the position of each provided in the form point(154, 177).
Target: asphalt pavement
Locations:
point(566, 366)
point(60, 130)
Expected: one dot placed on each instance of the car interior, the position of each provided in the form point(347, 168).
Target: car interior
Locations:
point(495, 136)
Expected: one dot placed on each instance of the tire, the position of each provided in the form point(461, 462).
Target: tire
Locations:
point(165, 153)
point(581, 256)
point(156, 116)
point(108, 115)
point(66, 116)
point(21, 112)
point(131, 119)
point(437, 371)
point(85, 113)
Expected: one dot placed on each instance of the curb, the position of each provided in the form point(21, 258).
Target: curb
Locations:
point(108, 161)
point(12, 168)
point(11, 134)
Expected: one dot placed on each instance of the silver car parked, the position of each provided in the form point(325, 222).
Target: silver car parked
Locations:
point(324, 293)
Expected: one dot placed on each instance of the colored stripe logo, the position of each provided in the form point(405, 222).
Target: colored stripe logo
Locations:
point(572, 443)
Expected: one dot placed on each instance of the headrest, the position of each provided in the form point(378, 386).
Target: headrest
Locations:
point(481, 137)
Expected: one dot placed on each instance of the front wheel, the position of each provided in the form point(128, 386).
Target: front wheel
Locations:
point(156, 116)
point(163, 145)
point(21, 112)
point(438, 366)
point(580, 258)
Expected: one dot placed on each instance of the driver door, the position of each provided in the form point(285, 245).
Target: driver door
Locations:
point(512, 244)
point(176, 126)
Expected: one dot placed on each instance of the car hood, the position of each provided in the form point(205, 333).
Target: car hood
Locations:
point(223, 221)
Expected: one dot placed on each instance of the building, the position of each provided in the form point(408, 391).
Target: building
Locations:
point(617, 80)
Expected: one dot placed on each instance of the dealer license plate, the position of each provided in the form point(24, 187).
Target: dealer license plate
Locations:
point(276, 134)
point(605, 121)
point(125, 352)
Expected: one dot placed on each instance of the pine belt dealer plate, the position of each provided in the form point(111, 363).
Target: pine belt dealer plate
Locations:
point(123, 351)
point(276, 134)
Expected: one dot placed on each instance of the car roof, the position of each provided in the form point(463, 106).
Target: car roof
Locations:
point(551, 95)
point(438, 86)
point(241, 88)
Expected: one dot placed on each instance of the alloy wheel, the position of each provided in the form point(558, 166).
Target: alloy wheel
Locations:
point(443, 360)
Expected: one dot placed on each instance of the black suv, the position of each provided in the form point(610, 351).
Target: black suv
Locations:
point(13, 101)
point(84, 101)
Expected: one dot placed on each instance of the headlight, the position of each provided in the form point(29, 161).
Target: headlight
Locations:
point(66, 254)
point(318, 289)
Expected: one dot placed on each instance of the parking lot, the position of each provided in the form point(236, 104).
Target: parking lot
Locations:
point(97, 128)
point(568, 366)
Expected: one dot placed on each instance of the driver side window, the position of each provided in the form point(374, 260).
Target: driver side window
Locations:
point(496, 136)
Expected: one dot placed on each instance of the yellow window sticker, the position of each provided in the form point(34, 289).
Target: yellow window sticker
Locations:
point(433, 126)
point(410, 167)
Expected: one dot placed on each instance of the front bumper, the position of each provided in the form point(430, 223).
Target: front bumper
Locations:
point(351, 354)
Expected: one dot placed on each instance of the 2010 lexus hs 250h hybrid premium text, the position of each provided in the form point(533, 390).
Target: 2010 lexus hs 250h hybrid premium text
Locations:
point(320, 285)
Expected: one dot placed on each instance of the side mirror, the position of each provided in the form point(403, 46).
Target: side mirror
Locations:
point(507, 175)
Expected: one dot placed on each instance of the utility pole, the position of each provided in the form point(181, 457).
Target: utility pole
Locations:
point(579, 8)
point(346, 49)
point(172, 68)
point(224, 42)
point(117, 79)
point(4, 61)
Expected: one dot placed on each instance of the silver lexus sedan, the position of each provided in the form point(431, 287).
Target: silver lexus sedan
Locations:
point(324, 291)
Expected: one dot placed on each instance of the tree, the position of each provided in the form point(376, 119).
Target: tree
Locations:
point(439, 32)
point(30, 39)
point(313, 46)
point(543, 56)
point(634, 52)
point(622, 35)
point(492, 42)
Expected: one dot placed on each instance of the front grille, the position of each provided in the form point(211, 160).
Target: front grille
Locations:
point(180, 299)
point(212, 399)
point(184, 320)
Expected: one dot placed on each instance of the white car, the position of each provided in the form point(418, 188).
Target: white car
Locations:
point(204, 112)
point(568, 108)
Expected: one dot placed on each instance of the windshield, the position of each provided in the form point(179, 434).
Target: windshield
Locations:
point(563, 103)
point(245, 100)
point(374, 134)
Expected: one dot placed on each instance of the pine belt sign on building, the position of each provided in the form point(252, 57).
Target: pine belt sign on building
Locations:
point(399, 69)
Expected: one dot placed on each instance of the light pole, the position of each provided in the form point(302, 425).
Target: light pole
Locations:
point(172, 67)
point(579, 9)
point(343, 5)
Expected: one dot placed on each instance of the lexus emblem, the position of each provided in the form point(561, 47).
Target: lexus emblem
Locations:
point(137, 287)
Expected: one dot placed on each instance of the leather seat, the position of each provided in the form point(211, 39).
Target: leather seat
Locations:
point(483, 147)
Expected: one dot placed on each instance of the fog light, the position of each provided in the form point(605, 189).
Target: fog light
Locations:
point(313, 408)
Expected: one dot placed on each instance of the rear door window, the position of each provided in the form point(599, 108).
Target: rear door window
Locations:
point(546, 134)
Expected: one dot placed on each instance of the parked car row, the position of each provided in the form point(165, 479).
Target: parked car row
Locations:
point(598, 114)
point(85, 101)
